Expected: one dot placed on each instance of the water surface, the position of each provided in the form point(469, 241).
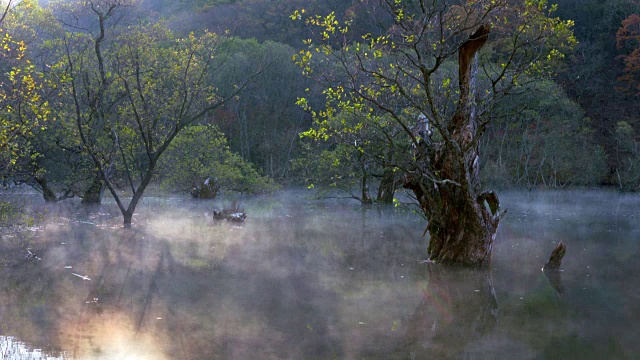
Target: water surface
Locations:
point(305, 279)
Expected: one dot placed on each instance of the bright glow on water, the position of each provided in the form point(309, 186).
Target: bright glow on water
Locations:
point(11, 348)
point(320, 279)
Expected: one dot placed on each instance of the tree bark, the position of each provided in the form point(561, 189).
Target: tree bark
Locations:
point(555, 260)
point(462, 220)
point(387, 187)
point(128, 216)
point(365, 195)
point(93, 195)
point(48, 194)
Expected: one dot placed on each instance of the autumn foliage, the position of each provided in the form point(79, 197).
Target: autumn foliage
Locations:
point(628, 41)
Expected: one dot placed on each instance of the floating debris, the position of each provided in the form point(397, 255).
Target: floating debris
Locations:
point(81, 276)
point(31, 256)
point(233, 213)
point(427, 261)
point(225, 215)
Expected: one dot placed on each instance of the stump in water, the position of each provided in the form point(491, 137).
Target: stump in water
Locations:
point(206, 189)
point(233, 213)
point(556, 258)
point(552, 268)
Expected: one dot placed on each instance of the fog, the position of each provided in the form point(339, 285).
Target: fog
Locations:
point(309, 279)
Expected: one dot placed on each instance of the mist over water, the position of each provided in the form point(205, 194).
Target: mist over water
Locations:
point(309, 279)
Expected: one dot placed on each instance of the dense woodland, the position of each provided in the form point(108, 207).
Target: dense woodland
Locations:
point(200, 96)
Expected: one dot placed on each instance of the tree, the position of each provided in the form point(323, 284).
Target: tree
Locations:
point(135, 87)
point(628, 40)
point(200, 156)
point(541, 138)
point(627, 157)
point(405, 73)
point(4, 10)
point(259, 19)
point(48, 160)
point(24, 94)
point(354, 156)
point(337, 171)
point(592, 72)
point(261, 124)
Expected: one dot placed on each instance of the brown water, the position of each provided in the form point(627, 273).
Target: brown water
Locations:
point(304, 279)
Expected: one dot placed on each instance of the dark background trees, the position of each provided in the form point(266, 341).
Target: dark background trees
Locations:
point(592, 77)
point(262, 124)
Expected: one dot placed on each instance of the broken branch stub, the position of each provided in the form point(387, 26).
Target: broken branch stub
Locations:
point(555, 260)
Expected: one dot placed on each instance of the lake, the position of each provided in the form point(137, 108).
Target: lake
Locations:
point(319, 279)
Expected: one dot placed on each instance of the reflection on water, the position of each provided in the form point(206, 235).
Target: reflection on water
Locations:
point(457, 308)
point(11, 348)
point(319, 280)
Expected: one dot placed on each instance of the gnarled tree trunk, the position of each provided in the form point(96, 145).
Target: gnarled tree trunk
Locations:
point(387, 187)
point(462, 220)
point(93, 195)
point(47, 193)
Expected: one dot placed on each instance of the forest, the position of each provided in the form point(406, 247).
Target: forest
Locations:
point(123, 94)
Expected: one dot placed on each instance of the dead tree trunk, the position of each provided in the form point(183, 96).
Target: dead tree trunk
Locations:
point(463, 220)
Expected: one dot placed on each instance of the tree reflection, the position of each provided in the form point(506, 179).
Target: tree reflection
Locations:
point(555, 279)
point(458, 307)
